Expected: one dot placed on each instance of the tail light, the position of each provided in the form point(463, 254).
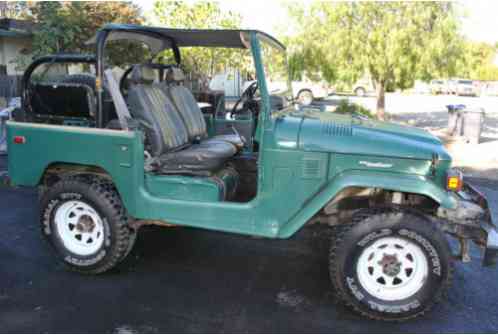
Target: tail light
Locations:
point(19, 140)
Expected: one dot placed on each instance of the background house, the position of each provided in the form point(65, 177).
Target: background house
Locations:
point(15, 40)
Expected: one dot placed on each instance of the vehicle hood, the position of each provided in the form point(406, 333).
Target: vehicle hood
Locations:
point(314, 130)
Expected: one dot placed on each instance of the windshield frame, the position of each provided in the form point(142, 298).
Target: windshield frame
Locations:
point(264, 40)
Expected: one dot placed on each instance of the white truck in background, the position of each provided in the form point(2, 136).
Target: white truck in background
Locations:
point(234, 84)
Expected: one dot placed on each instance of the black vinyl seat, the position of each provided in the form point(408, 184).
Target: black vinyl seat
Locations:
point(167, 138)
point(186, 105)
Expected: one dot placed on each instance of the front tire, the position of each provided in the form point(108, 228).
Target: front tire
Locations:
point(86, 224)
point(390, 265)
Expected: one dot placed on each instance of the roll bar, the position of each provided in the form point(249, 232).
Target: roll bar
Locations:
point(101, 38)
point(56, 58)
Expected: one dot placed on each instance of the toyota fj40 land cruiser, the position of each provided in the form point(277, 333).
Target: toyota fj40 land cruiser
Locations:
point(112, 156)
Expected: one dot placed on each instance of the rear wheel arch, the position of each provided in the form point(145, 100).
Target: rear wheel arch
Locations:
point(57, 171)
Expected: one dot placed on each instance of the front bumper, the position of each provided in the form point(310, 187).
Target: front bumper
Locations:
point(487, 224)
point(472, 219)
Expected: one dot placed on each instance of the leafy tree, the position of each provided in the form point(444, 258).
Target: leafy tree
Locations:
point(66, 26)
point(391, 42)
point(54, 32)
point(477, 61)
point(12, 9)
point(200, 15)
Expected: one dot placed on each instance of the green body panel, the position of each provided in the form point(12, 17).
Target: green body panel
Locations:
point(295, 184)
point(119, 153)
point(305, 159)
point(329, 132)
point(183, 188)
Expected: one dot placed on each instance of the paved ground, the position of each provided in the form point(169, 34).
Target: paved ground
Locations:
point(397, 103)
point(183, 280)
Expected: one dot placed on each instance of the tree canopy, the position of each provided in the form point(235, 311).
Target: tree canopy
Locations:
point(66, 26)
point(477, 61)
point(393, 43)
point(200, 15)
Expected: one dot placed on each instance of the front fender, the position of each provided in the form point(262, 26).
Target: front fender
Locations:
point(372, 179)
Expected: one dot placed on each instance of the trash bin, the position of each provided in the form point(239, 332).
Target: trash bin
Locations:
point(465, 123)
point(455, 120)
point(473, 120)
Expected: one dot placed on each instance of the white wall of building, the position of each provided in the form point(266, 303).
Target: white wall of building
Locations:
point(10, 48)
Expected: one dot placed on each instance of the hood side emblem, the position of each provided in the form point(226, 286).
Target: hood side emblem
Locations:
point(375, 164)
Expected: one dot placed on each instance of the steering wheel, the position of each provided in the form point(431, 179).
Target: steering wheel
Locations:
point(245, 98)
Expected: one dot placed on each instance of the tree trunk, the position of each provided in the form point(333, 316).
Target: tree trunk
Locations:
point(381, 100)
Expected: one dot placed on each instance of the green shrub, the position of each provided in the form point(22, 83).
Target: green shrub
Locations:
point(347, 107)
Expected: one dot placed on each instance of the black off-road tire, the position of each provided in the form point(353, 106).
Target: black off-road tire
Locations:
point(369, 226)
point(133, 234)
point(102, 196)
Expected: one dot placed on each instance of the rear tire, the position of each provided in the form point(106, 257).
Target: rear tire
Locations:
point(305, 97)
point(390, 265)
point(86, 224)
point(360, 92)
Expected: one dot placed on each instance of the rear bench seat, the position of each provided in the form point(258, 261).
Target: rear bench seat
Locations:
point(167, 137)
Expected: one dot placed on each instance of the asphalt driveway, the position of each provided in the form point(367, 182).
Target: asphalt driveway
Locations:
point(185, 280)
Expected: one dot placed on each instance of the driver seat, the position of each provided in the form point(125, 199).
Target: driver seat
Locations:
point(165, 133)
point(186, 105)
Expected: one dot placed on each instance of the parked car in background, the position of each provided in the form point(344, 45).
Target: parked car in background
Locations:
point(231, 82)
point(363, 87)
point(420, 87)
point(439, 86)
point(451, 86)
point(489, 88)
point(306, 91)
point(467, 87)
point(234, 84)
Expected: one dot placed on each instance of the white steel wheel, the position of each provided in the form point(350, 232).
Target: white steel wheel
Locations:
point(392, 268)
point(80, 227)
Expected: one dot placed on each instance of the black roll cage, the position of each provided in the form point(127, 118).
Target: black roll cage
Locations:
point(52, 59)
point(101, 40)
point(207, 38)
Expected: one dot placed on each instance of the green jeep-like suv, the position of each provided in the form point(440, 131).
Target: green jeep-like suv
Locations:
point(111, 153)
